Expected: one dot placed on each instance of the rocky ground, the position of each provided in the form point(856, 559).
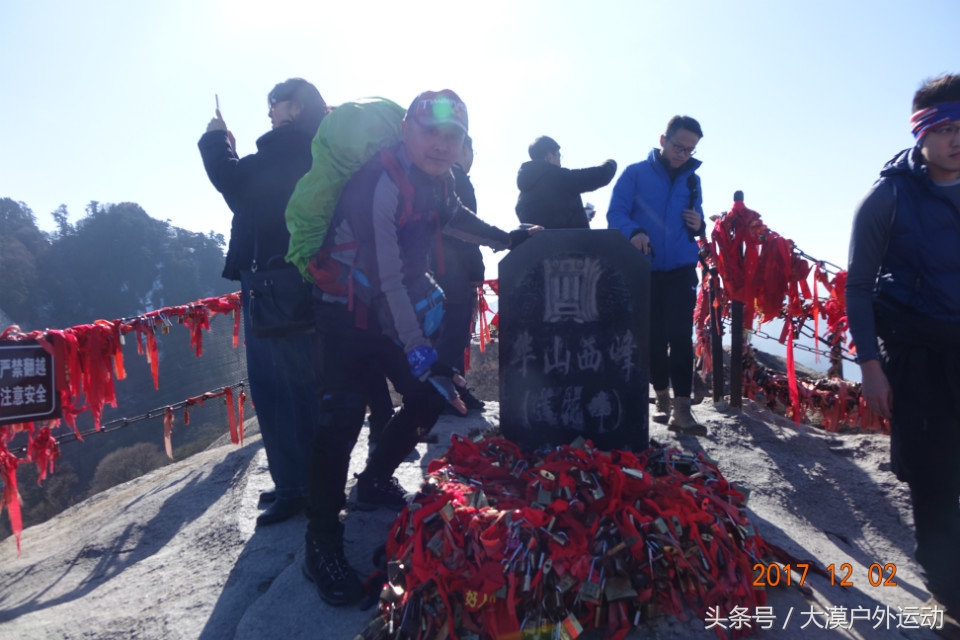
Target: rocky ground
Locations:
point(175, 554)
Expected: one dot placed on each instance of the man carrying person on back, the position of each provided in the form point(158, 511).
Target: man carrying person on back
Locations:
point(376, 306)
point(657, 205)
point(903, 306)
point(550, 194)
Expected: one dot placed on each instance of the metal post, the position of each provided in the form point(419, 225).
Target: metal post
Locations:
point(736, 355)
point(716, 338)
point(836, 357)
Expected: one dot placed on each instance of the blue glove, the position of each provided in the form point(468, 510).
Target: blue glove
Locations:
point(421, 359)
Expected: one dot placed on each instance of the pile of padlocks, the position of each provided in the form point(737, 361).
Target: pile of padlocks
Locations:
point(500, 543)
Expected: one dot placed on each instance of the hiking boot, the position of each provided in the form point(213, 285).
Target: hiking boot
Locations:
point(336, 581)
point(683, 421)
point(266, 497)
point(473, 402)
point(662, 413)
point(373, 493)
point(280, 509)
point(700, 389)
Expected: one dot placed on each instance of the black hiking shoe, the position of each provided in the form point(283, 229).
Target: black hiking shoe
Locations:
point(280, 510)
point(473, 402)
point(336, 581)
point(373, 493)
point(266, 497)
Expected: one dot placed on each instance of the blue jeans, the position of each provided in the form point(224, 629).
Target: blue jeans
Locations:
point(284, 391)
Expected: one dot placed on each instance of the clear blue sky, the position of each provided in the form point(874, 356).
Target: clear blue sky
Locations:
point(800, 102)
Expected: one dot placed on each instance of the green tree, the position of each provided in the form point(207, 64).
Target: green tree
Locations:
point(118, 262)
point(22, 246)
point(61, 217)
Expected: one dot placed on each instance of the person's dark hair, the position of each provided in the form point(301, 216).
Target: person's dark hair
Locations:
point(312, 105)
point(542, 146)
point(934, 91)
point(683, 122)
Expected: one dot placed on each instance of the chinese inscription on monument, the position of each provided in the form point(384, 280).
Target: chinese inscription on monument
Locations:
point(573, 335)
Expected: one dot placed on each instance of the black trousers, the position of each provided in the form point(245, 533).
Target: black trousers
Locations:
point(673, 296)
point(925, 452)
point(454, 334)
point(346, 355)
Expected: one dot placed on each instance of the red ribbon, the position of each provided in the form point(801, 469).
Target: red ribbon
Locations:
point(10, 498)
point(671, 516)
point(88, 358)
point(167, 430)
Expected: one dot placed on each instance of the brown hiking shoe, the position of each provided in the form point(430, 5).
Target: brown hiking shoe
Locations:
point(661, 414)
point(683, 421)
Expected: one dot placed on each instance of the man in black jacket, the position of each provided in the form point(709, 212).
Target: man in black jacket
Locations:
point(256, 187)
point(903, 306)
point(550, 194)
point(459, 270)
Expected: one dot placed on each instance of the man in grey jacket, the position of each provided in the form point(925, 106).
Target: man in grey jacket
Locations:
point(378, 310)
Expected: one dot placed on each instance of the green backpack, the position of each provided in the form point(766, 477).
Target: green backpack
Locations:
point(348, 136)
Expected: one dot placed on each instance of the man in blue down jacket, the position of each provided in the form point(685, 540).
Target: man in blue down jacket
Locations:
point(550, 194)
point(657, 205)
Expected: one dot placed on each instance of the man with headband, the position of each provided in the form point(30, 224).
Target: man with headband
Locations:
point(903, 306)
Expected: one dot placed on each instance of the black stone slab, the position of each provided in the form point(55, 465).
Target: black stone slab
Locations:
point(574, 322)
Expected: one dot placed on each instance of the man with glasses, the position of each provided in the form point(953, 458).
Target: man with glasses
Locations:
point(657, 205)
point(903, 305)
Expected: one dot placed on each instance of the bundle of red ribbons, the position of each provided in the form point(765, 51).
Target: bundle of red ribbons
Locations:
point(763, 270)
point(501, 544)
point(88, 359)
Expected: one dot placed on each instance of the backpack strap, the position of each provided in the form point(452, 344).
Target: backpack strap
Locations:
point(399, 177)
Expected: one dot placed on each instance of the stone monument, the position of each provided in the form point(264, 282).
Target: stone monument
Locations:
point(574, 321)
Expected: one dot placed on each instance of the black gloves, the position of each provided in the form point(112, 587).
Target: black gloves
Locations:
point(518, 235)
